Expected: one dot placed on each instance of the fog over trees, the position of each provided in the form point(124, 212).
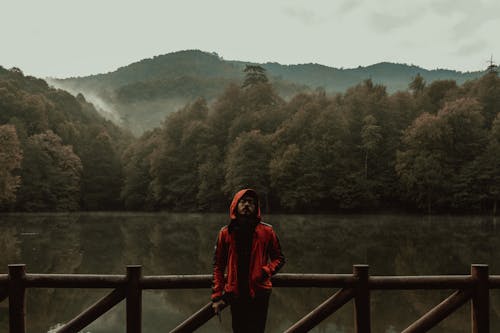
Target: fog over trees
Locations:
point(431, 148)
point(142, 93)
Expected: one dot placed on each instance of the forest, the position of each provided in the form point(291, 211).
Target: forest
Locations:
point(56, 152)
point(432, 148)
point(143, 93)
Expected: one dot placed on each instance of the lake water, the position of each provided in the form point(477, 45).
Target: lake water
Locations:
point(164, 243)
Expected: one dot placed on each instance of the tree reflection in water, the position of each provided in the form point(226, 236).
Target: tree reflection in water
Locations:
point(164, 243)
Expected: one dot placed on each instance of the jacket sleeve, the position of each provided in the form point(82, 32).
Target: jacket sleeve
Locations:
point(277, 259)
point(220, 262)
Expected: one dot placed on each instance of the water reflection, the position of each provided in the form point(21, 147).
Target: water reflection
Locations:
point(183, 243)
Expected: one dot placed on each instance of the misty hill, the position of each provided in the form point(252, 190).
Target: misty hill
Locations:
point(142, 93)
point(69, 153)
point(394, 76)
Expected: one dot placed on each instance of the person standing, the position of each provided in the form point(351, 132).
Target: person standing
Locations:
point(251, 253)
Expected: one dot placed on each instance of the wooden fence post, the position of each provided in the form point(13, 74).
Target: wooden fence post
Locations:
point(134, 299)
point(481, 299)
point(362, 300)
point(17, 297)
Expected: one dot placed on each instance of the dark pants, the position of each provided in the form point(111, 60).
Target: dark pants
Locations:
point(249, 314)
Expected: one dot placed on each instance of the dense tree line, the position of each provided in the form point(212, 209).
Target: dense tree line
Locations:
point(433, 147)
point(56, 152)
point(143, 93)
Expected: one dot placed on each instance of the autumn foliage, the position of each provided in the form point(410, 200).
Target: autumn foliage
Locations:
point(432, 148)
point(52, 146)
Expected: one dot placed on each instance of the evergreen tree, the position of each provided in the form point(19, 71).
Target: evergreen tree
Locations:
point(417, 85)
point(254, 74)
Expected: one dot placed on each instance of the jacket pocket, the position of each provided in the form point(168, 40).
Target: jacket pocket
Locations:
point(264, 280)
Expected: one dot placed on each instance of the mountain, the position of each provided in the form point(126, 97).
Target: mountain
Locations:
point(140, 95)
point(394, 76)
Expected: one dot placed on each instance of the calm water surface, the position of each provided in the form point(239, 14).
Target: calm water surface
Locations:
point(183, 244)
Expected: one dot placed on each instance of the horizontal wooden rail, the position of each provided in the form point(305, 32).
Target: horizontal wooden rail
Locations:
point(176, 282)
point(357, 286)
point(279, 280)
point(314, 280)
point(287, 280)
point(420, 282)
point(494, 281)
point(74, 281)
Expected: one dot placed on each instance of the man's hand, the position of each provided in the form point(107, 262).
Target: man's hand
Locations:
point(217, 306)
point(264, 275)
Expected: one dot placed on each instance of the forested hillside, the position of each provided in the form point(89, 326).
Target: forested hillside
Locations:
point(56, 152)
point(433, 147)
point(143, 93)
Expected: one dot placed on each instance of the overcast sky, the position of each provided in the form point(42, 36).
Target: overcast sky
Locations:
point(64, 38)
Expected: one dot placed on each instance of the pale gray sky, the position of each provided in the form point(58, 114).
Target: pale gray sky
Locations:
point(64, 38)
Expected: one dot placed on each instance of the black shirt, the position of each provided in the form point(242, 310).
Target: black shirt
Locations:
point(244, 230)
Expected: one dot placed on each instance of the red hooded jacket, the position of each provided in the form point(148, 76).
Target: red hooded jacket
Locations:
point(265, 260)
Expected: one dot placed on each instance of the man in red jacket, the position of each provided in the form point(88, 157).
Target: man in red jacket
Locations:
point(250, 251)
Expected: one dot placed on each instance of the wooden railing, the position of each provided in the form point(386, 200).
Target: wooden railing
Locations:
point(357, 286)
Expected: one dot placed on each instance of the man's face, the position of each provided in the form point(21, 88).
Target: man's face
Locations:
point(246, 206)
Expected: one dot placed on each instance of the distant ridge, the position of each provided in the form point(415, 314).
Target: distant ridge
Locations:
point(145, 91)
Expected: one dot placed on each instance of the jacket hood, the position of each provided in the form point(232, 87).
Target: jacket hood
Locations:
point(237, 197)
